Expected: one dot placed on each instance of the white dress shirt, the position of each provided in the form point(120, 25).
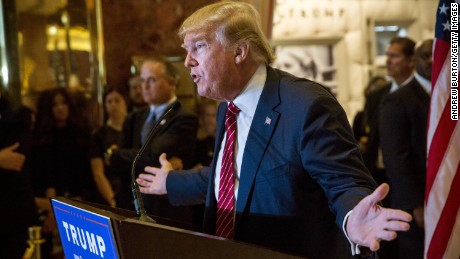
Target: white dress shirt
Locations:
point(247, 102)
point(395, 86)
point(160, 109)
point(425, 83)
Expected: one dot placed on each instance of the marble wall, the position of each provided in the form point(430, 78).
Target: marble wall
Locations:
point(139, 28)
point(347, 25)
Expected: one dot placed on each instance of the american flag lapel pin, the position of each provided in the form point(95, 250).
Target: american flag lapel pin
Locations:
point(268, 121)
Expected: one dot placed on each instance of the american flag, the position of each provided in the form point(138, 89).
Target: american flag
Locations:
point(442, 197)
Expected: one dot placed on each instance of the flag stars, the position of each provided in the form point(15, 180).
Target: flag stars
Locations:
point(443, 9)
point(446, 26)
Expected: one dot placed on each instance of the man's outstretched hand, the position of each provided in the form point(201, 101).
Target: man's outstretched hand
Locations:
point(153, 181)
point(370, 223)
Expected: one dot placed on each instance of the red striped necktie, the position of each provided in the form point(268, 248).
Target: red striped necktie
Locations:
point(226, 202)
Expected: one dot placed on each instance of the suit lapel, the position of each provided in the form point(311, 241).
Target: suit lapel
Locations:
point(165, 122)
point(262, 128)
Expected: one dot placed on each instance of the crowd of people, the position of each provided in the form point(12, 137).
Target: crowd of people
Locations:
point(53, 151)
point(392, 132)
point(292, 162)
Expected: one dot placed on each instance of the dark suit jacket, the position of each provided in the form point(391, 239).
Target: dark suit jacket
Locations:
point(17, 189)
point(372, 108)
point(403, 128)
point(301, 173)
point(176, 136)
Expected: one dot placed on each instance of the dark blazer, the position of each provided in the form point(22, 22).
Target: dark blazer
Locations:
point(301, 172)
point(176, 136)
point(403, 128)
point(17, 188)
point(372, 110)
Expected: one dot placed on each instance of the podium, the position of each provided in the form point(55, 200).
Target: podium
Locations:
point(96, 231)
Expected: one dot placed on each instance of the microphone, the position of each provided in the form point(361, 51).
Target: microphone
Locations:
point(138, 203)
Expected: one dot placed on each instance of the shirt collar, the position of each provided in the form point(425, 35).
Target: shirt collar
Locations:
point(395, 86)
point(425, 83)
point(248, 99)
point(159, 109)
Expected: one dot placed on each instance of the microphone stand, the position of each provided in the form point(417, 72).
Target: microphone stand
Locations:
point(138, 203)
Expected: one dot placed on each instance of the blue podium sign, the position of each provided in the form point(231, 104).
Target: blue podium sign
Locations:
point(84, 234)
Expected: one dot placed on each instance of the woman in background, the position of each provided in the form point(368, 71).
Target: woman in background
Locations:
point(61, 150)
point(204, 152)
point(60, 158)
point(109, 135)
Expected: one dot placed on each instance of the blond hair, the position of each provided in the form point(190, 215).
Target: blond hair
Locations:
point(233, 23)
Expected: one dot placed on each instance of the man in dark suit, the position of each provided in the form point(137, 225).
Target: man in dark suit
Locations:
point(135, 93)
point(400, 67)
point(297, 182)
point(175, 134)
point(16, 185)
point(403, 130)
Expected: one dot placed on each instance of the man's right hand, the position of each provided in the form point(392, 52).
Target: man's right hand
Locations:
point(154, 180)
point(10, 159)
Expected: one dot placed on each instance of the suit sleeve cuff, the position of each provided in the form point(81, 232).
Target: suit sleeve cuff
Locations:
point(354, 247)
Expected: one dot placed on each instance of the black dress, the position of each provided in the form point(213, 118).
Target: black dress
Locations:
point(61, 160)
point(103, 138)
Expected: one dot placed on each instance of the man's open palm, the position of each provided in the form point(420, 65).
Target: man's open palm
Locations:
point(370, 223)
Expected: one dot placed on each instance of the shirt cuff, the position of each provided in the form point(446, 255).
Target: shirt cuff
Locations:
point(354, 247)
